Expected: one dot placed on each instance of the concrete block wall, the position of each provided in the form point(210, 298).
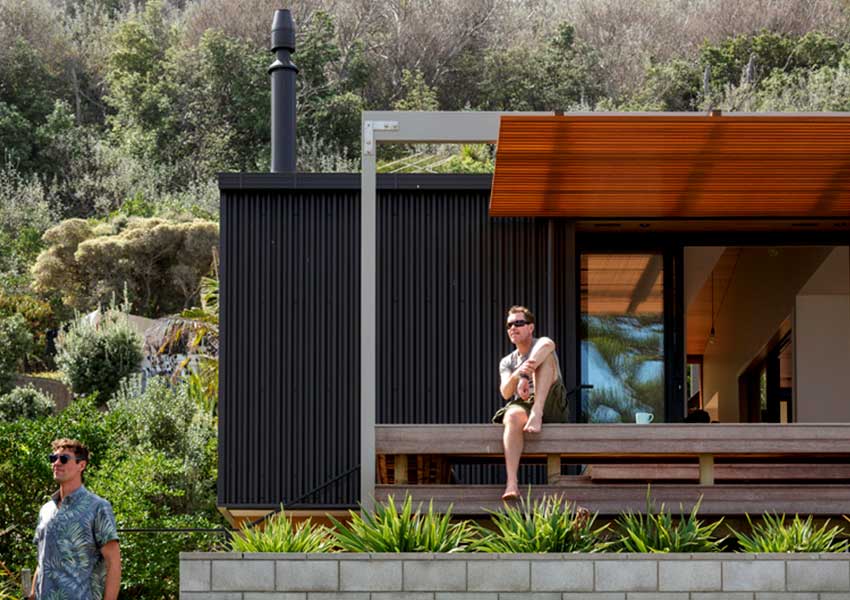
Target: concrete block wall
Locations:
point(238, 576)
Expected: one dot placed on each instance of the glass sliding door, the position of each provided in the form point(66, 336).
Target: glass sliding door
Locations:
point(622, 336)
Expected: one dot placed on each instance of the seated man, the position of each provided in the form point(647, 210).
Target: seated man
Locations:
point(532, 384)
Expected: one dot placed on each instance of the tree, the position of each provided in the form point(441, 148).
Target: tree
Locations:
point(141, 89)
point(557, 75)
point(222, 90)
point(160, 262)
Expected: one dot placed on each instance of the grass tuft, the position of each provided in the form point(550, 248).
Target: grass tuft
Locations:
point(551, 524)
point(661, 533)
point(389, 530)
point(280, 535)
point(774, 535)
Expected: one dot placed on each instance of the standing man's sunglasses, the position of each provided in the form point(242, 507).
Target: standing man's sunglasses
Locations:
point(62, 458)
point(517, 323)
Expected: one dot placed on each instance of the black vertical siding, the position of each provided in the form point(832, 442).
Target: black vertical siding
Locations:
point(290, 323)
point(447, 273)
point(290, 370)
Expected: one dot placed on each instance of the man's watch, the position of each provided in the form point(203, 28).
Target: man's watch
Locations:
point(523, 376)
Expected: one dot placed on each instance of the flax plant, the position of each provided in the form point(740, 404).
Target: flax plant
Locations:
point(660, 532)
point(773, 535)
point(280, 535)
point(390, 530)
point(551, 524)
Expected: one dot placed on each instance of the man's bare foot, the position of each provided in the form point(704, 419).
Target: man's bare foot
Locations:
point(534, 424)
point(511, 493)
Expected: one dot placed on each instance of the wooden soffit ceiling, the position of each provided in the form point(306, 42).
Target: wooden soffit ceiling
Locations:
point(673, 167)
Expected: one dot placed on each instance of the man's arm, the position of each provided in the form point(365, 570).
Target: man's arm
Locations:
point(509, 383)
point(112, 557)
point(541, 350)
point(32, 585)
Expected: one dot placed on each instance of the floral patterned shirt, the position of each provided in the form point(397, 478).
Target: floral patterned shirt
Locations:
point(69, 538)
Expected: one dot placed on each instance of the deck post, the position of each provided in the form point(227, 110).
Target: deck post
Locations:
point(706, 469)
point(553, 469)
point(400, 469)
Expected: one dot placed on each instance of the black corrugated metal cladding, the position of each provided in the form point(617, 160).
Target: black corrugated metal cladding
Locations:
point(447, 272)
point(290, 322)
point(289, 401)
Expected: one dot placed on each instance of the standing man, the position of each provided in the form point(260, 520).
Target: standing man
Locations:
point(534, 388)
point(78, 554)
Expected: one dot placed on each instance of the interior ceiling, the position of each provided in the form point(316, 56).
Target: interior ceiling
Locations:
point(686, 169)
point(699, 312)
point(621, 284)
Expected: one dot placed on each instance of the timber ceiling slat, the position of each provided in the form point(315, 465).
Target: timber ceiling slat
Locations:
point(652, 167)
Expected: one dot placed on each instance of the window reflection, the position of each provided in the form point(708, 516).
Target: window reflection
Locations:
point(622, 336)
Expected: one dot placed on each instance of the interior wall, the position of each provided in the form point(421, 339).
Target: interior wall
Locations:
point(822, 343)
point(699, 262)
point(822, 352)
point(761, 295)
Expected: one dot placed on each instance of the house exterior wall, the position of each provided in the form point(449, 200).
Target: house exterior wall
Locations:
point(288, 402)
point(289, 391)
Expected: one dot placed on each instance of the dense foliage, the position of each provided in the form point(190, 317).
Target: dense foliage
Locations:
point(159, 263)
point(94, 355)
point(15, 344)
point(25, 403)
point(112, 102)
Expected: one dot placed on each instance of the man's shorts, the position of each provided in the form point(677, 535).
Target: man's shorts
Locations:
point(554, 411)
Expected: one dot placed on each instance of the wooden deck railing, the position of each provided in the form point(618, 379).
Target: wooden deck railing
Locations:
point(736, 468)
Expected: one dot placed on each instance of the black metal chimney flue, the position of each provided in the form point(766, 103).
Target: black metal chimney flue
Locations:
point(283, 72)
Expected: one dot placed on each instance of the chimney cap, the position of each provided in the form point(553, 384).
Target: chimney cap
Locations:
point(283, 31)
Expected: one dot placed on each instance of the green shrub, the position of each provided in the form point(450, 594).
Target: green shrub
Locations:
point(40, 319)
point(549, 525)
point(164, 418)
point(96, 357)
point(25, 403)
point(388, 530)
point(147, 490)
point(15, 345)
point(280, 535)
point(661, 532)
point(773, 535)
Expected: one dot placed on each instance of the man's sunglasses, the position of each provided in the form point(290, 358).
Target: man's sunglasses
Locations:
point(517, 323)
point(63, 458)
